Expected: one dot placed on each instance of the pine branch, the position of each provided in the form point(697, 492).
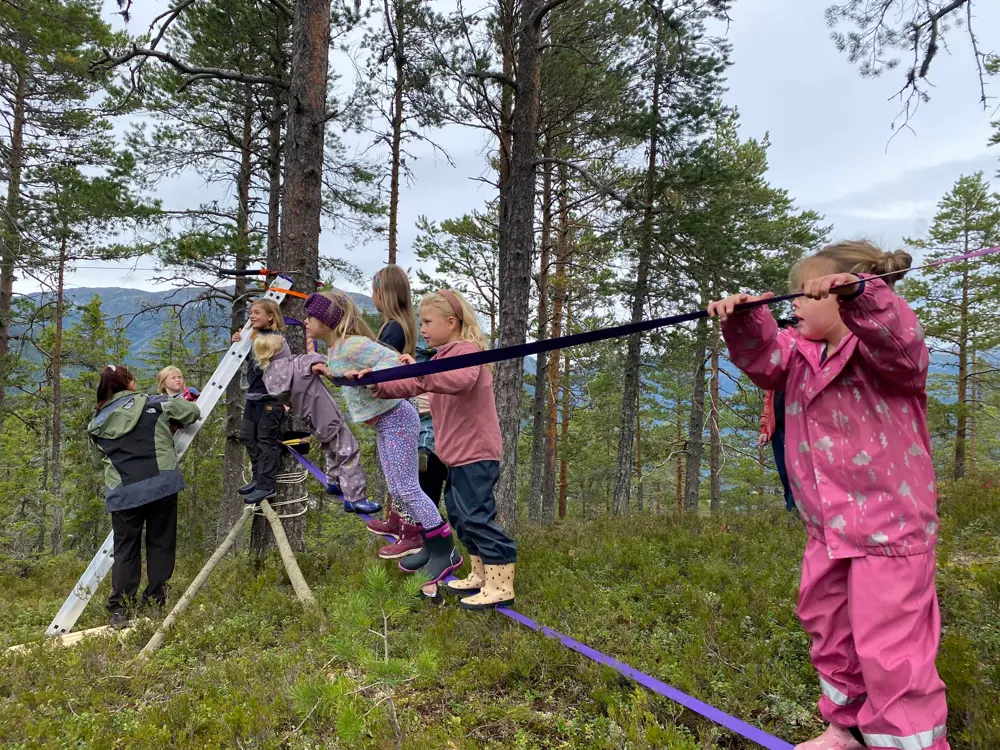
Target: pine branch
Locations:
point(489, 75)
point(599, 185)
point(141, 53)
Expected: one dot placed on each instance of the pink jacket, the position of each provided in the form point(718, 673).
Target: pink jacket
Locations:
point(857, 446)
point(466, 427)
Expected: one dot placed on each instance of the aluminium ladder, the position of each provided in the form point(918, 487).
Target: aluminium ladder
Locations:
point(210, 396)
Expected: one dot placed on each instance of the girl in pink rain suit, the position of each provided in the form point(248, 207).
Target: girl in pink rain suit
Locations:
point(858, 453)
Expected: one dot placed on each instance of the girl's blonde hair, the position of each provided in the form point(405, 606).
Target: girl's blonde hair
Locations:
point(856, 256)
point(397, 303)
point(352, 322)
point(271, 308)
point(161, 378)
point(265, 347)
point(469, 321)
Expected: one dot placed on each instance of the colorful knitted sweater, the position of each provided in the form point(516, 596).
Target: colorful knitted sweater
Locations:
point(362, 353)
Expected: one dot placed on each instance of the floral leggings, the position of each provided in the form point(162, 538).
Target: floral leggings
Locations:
point(396, 434)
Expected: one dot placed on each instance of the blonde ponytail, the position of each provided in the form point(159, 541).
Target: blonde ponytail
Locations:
point(265, 347)
point(855, 256)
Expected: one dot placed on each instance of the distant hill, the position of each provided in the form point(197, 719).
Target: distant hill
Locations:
point(143, 313)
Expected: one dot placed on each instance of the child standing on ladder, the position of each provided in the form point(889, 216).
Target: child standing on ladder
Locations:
point(290, 379)
point(260, 428)
point(859, 458)
point(336, 320)
point(468, 441)
point(393, 299)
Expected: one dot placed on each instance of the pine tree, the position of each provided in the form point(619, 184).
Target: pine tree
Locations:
point(957, 302)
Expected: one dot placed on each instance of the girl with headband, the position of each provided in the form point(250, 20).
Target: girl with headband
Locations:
point(336, 320)
point(858, 453)
point(467, 437)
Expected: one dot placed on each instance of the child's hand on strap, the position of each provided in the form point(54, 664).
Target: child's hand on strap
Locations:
point(406, 359)
point(822, 287)
point(367, 371)
point(726, 307)
point(320, 368)
point(238, 336)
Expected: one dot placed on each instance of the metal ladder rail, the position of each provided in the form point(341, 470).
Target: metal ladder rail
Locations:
point(210, 396)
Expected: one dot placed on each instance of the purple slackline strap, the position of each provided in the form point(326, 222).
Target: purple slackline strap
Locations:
point(520, 351)
point(711, 713)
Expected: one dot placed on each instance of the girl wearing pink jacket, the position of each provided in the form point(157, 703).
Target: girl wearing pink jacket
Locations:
point(858, 453)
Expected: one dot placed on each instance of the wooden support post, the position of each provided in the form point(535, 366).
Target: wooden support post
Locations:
point(161, 633)
point(287, 556)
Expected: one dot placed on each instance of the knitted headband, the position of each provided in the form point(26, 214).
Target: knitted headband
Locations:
point(456, 306)
point(324, 309)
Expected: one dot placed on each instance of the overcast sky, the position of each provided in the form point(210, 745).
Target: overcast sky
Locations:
point(830, 136)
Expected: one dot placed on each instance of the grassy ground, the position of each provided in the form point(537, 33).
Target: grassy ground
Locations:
point(705, 604)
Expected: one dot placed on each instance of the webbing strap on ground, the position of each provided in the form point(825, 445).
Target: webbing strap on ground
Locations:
point(709, 712)
point(520, 351)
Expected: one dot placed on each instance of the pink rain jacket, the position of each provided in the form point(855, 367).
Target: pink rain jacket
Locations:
point(857, 447)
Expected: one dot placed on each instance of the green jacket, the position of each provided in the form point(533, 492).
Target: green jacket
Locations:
point(131, 438)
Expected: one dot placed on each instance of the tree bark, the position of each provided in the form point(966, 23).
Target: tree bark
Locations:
point(633, 366)
point(961, 431)
point(566, 414)
point(539, 433)
point(715, 446)
point(397, 127)
point(679, 460)
point(638, 461)
point(297, 255)
point(230, 504)
point(558, 302)
point(517, 239)
point(696, 422)
point(56, 459)
point(12, 231)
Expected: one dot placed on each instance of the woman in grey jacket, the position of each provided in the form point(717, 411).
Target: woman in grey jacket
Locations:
point(130, 437)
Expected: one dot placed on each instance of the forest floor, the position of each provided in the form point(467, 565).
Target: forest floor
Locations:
point(706, 604)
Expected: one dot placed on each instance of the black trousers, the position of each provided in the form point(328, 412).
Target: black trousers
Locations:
point(434, 477)
point(260, 433)
point(160, 519)
point(472, 511)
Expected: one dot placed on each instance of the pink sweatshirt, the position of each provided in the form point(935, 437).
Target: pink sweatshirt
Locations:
point(466, 426)
point(857, 447)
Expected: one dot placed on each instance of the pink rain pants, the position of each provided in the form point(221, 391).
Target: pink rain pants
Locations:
point(875, 626)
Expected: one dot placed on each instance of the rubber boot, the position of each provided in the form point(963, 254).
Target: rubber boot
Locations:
point(442, 557)
point(497, 590)
point(834, 738)
point(472, 582)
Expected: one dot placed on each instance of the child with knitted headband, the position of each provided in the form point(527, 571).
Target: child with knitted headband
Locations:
point(336, 320)
point(467, 438)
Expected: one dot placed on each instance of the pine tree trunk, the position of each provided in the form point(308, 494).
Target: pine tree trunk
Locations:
point(679, 460)
point(397, 128)
point(973, 387)
point(301, 206)
point(696, 422)
point(558, 302)
point(233, 461)
point(56, 459)
point(638, 461)
point(539, 434)
point(715, 446)
point(632, 366)
point(517, 239)
point(11, 252)
point(566, 411)
point(963, 376)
